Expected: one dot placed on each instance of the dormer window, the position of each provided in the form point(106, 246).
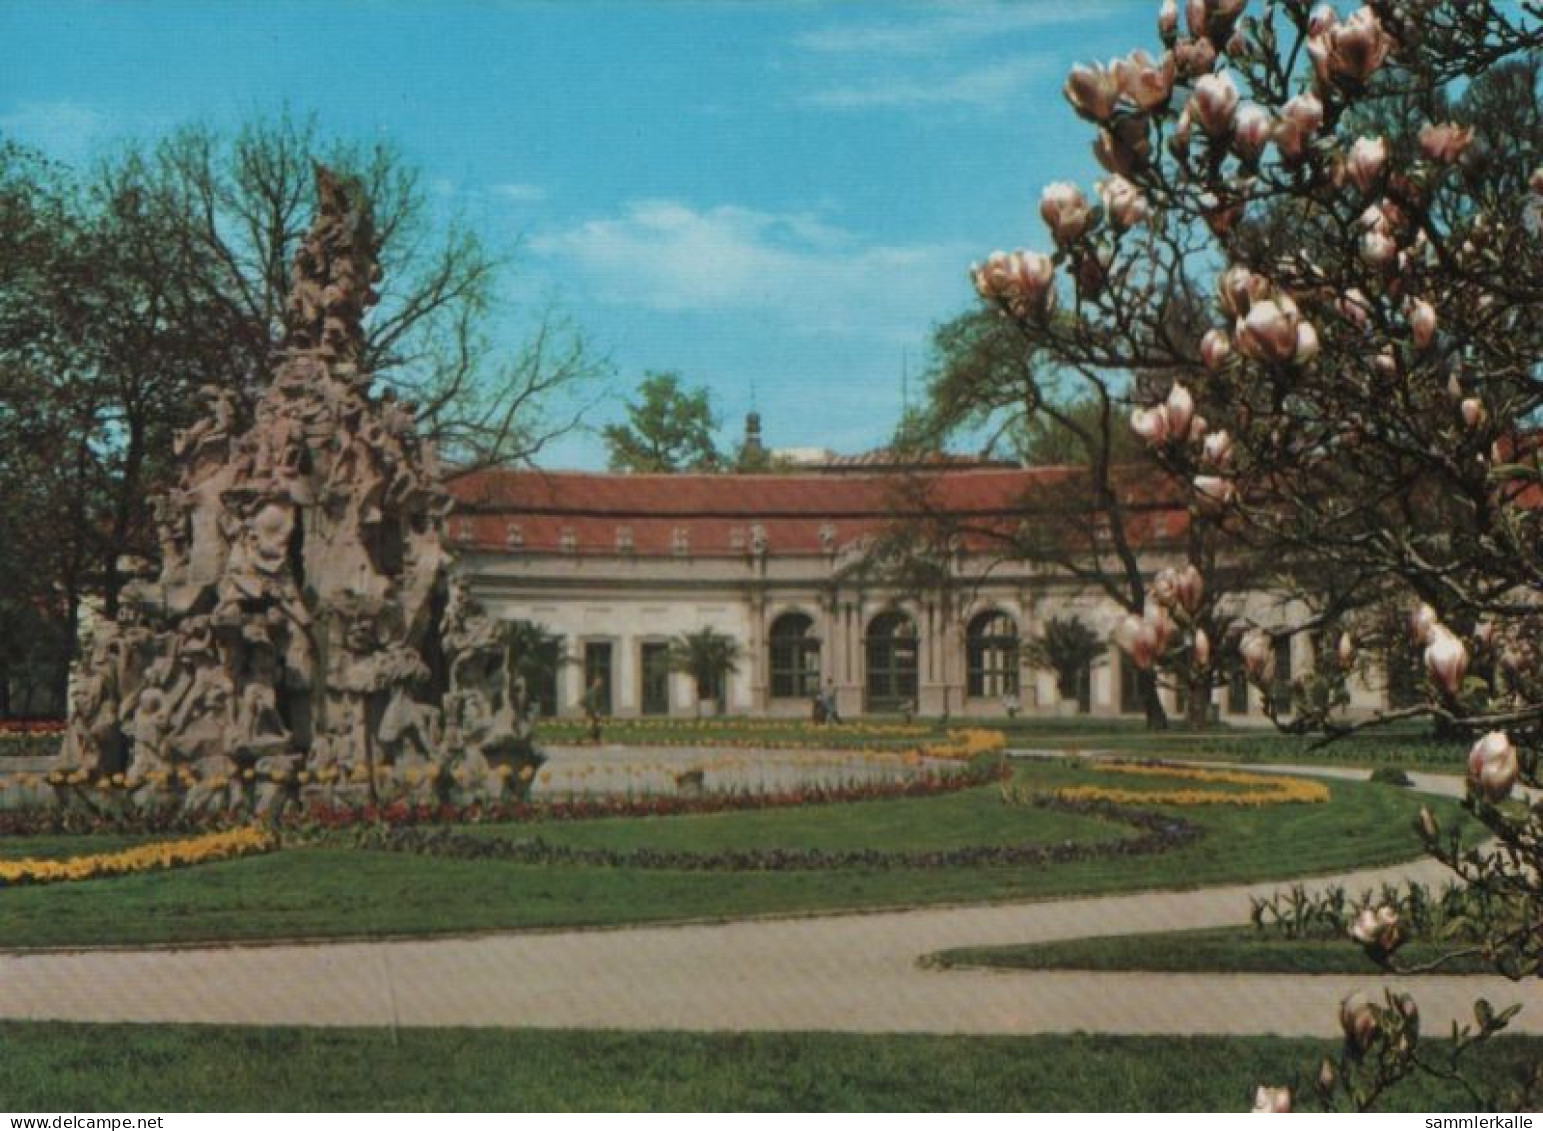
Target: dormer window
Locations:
point(567, 540)
point(624, 539)
point(680, 541)
point(514, 537)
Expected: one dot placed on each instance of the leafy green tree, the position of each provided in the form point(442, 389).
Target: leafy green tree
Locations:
point(125, 288)
point(1066, 647)
point(669, 428)
point(708, 657)
point(538, 656)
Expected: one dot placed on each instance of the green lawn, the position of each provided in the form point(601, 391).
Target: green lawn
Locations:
point(341, 891)
point(956, 820)
point(113, 1068)
point(1231, 950)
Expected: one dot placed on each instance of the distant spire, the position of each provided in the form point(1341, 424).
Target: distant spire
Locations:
point(753, 445)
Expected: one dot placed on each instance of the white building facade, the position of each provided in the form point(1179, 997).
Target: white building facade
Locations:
point(618, 566)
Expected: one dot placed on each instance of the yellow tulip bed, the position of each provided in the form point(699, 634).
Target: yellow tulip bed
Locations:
point(227, 845)
point(962, 745)
point(1260, 789)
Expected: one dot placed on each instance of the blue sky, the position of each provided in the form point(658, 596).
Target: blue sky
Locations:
point(776, 200)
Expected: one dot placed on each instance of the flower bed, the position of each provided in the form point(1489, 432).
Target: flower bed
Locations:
point(1159, 833)
point(30, 738)
point(226, 845)
point(926, 784)
point(1261, 789)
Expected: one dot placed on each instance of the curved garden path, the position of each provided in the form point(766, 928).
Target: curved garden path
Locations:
point(855, 973)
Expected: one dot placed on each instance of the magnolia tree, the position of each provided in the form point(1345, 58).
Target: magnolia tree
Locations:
point(1364, 402)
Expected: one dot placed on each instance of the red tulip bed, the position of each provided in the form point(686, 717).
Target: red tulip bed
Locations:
point(96, 811)
point(29, 738)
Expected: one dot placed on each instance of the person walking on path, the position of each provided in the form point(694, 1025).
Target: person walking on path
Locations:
point(592, 713)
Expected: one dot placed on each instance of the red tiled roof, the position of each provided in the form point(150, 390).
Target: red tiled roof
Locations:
point(715, 515)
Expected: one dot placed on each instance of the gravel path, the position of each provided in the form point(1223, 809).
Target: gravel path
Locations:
point(852, 973)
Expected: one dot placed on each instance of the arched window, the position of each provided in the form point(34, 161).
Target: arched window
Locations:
point(991, 656)
point(795, 657)
point(892, 654)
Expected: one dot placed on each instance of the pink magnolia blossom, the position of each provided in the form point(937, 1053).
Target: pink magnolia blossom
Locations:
point(1151, 424)
point(1446, 660)
point(1198, 427)
point(1271, 1101)
point(1535, 182)
point(1422, 323)
point(1196, 57)
point(1252, 128)
point(1422, 622)
point(1123, 147)
point(1349, 53)
point(1493, 766)
point(1189, 589)
point(1215, 349)
point(1214, 491)
point(1181, 409)
point(1145, 81)
point(1299, 121)
point(1092, 90)
point(1269, 331)
point(1239, 288)
point(1168, 18)
point(1257, 652)
point(1384, 363)
point(1367, 158)
point(1354, 307)
point(1202, 649)
point(1213, 18)
point(1473, 412)
point(1144, 638)
point(1345, 651)
point(1021, 279)
point(1323, 18)
point(1359, 1019)
point(1213, 102)
point(1446, 142)
point(1307, 343)
point(1378, 248)
point(1217, 450)
point(1066, 212)
point(1123, 201)
point(1378, 929)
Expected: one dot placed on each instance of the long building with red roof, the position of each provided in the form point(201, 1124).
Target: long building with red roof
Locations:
point(618, 565)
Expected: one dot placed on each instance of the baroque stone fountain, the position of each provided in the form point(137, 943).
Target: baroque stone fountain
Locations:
point(306, 637)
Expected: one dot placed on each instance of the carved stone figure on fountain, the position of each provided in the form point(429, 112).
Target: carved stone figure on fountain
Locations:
point(307, 638)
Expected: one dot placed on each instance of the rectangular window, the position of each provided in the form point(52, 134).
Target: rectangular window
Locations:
point(597, 667)
point(1237, 689)
point(656, 678)
point(543, 689)
point(1130, 688)
point(1280, 688)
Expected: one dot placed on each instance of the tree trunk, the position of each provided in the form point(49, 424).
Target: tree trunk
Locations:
point(1157, 718)
point(1197, 711)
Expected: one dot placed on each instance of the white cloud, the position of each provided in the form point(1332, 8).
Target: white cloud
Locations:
point(947, 26)
point(667, 256)
point(63, 128)
point(982, 87)
point(520, 193)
